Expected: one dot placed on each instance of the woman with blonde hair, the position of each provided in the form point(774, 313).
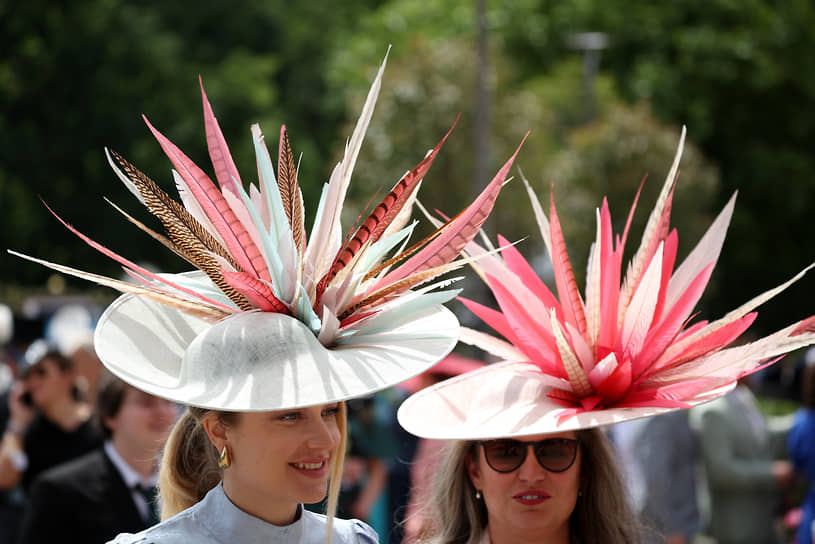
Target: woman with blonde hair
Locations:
point(273, 332)
point(529, 463)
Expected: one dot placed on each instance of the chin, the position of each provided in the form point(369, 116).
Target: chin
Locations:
point(314, 495)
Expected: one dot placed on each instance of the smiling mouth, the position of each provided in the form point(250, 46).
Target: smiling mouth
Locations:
point(309, 466)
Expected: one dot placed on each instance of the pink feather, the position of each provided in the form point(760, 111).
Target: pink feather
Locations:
point(225, 170)
point(256, 291)
point(458, 233)
point(564, 275)
point(237, 240)
point(141, 270)
point(707, 343)
point(536, 342)
point(522, 269)
point(668, 259)
point(661, 336)
point(493, 318)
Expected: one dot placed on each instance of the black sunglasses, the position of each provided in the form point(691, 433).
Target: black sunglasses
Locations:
point(554, 454)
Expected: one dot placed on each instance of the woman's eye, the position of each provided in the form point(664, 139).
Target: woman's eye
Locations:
point(293, 416)
point(331, 412)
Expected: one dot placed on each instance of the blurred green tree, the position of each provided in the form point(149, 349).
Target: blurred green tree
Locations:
point(74, 78)
point(740, 75)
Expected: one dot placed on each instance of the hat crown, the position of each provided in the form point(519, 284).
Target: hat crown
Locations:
point(246, 343)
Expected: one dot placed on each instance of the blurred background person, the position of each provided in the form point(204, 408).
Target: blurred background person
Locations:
point(801, 448)
point(364, 493)
point(742, 454)
point(70, 329)
point(112, 489)
point(49, 421)
point(649, 449)
point(421, 467)
point(18, 332)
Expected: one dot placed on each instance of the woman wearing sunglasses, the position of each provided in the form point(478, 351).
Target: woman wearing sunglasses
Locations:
point(49, 419)
point(528, 463)
point(550, 487)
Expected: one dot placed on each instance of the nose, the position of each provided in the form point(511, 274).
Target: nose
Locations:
point(323, 432)
point(530, 469)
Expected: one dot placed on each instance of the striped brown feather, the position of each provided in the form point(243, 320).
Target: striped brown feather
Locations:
point(166, 242)
point(290, 190)
point(189, 236)
point(398, 287)
point(406, 253)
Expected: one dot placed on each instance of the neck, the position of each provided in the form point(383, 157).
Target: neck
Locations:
point(65, 412)
point(142, 460)
point(256, 504)
point(513, 535)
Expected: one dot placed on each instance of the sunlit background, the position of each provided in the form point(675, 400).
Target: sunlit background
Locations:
point(604, 88)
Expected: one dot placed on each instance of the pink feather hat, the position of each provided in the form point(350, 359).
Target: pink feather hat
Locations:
point(625, 350)
point(273, 319)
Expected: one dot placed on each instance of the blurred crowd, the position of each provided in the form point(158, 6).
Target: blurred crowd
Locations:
point(80, 449)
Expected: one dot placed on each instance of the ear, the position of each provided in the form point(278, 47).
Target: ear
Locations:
point(111, 423)
point(473, 470)
point(216, 430)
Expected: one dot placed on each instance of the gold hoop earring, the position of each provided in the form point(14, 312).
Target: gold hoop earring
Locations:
point(224, 461)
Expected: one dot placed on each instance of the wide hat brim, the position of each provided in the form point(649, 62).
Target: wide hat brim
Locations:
point(256, 361)
point(505, 400)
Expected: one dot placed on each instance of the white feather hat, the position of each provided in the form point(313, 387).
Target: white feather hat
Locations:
point(274, 320)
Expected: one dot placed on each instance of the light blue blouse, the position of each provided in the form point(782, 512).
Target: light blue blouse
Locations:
point(215, 520)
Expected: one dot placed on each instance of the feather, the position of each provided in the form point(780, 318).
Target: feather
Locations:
point(705, 252)
point(401, 220)
point(568, 293)
point(382, 215)
point(131, 265)
point(733, 315)
point(577, 377)
point(665, 332)
point(191, 307)
point(540, 217)
point(124, 179)
point(494, 346)
point(459, 232)
point(400, 286)
point(326, 238)
point(594, 284)
point(163, 240)
point(497, 320)
point(538, 343)
point(187, 234)
point(225, 170)
point(640, 313)
point(194, 208)
point(290, 191)
point(256, 291)
point(237, 240)
point(651, 230)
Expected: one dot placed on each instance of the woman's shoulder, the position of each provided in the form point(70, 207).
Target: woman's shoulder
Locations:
point(185, 528)
point(344, 531)
point(179, 529)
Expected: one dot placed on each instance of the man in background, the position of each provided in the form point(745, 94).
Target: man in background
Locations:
point(111, 490)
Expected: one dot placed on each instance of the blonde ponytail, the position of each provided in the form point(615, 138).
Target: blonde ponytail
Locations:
point(189, 465)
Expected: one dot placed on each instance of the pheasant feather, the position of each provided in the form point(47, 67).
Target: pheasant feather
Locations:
point(290, 191)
